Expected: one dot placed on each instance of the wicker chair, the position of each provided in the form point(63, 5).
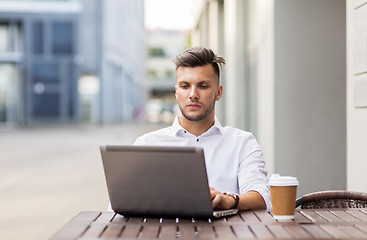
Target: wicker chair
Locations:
point(332, 199)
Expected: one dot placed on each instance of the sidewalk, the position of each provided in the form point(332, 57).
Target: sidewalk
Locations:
point(48, 175)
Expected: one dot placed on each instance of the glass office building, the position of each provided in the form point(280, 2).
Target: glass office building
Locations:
point(52, 53)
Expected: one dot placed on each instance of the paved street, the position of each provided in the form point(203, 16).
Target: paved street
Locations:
point(49, 174)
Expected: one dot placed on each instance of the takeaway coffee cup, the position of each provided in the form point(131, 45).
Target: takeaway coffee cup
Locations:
point(283, 191)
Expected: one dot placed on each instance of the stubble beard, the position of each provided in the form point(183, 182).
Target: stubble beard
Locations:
point(207, 112)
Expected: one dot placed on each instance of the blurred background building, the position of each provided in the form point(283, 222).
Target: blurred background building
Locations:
point(71, 61)
point(163, 46)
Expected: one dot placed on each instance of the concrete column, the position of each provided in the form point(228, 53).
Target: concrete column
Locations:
point(235, 63)
point(265, 76)
point(356, 95)
point(213, 25)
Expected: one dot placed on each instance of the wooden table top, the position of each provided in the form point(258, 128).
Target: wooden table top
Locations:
point(308, 224)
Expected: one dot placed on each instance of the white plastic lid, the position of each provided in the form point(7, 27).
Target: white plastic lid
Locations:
point(277, 180)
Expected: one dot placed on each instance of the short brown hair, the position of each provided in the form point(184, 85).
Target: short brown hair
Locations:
point(199, 56)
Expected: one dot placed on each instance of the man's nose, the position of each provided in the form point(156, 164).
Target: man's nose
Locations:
point(194, 94)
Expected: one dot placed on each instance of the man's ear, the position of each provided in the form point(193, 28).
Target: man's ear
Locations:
point(219, 92)
point(176, 91)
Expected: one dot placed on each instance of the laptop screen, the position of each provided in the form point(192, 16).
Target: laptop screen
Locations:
point(157, 181)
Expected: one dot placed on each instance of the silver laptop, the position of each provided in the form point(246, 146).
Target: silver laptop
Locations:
point(152, 181)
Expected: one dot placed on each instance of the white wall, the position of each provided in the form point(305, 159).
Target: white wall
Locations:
point(356, 79)
point(310, 97)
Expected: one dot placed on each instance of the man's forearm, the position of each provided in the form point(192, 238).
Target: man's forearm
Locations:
point(251, 200)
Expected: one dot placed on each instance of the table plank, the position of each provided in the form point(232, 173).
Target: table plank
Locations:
point(205, 231)
point(168, 231)
point(224, 231)
point(329, 216)
point(362, 227)
point(316, 231)
point(119, 219)
point(136, 220)
point(76, 226)
point(261, 231)
point(353, 231)
point(152, 220)
point(149, 231)
point(264, 216)
point(218, 221)
point(186, 231)
point(314, 217)
point(243, 231)
point(113, 230)
point(249, 217)
point(94, 230)
point(131, 231)
point(169, 220)
point(345, 216)
point(234, 218)
point(105, 217)
point(299, 217)
point(358, 214)
point(279, 231)
point(297, 231)
point(335, 231)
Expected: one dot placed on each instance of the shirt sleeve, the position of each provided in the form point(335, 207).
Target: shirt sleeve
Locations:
point(252, 173)
point(139, 141)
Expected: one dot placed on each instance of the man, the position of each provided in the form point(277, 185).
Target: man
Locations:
point(234, 160)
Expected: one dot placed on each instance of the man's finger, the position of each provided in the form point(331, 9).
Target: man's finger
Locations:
point(216, 200)
point(213, 194)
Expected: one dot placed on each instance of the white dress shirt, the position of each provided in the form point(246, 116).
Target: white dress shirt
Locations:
point(233, 158)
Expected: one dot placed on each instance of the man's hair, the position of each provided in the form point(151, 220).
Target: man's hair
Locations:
point(199, 56)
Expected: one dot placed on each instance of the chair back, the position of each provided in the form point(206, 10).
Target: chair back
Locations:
point(332, 199)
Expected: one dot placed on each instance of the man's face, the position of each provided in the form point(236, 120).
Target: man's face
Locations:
point(197, 90)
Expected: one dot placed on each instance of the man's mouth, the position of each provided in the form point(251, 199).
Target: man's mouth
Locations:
point(193, 106)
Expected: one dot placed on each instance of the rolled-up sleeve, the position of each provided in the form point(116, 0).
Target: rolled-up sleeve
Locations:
point(252, 175)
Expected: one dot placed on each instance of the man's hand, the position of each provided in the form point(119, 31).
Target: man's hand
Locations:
point(251, 200)
point(220, 200)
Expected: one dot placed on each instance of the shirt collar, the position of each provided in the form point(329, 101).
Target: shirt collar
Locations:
point(178, 130)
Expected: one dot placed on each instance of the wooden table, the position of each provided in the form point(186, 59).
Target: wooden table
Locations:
point(308, 224)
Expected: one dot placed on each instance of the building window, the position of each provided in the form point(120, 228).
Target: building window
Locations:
point(8, 92)
point(4, 38)
point(38, 38)
point(10, 37)
point(62, 38)
point(45, 72)
point(156, 52)
point(170, 74)
point(152, 73)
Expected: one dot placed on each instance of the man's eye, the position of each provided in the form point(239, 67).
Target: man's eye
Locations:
point(204, 86)
point(184, 86)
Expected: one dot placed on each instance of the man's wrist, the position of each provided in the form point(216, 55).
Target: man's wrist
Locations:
point(236, 198)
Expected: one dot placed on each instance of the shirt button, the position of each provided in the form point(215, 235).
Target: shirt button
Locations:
point(185, 132)
point(197, 140)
